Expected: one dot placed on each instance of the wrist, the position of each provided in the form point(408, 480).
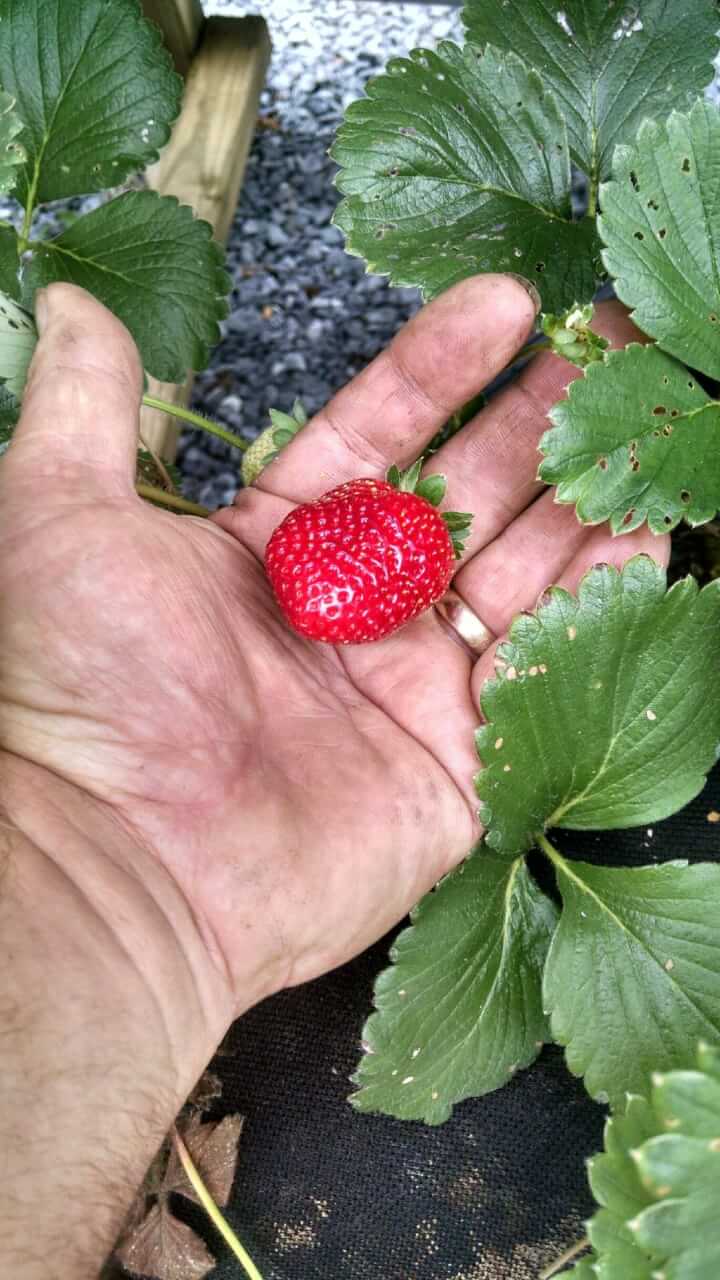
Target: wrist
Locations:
point(110, 1008)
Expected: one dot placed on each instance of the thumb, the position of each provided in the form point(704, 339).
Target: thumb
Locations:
point(79, 420)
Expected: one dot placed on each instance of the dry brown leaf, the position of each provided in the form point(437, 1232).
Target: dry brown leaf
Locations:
point(214, 1150)
point(208, 1088)
point(165, 1248)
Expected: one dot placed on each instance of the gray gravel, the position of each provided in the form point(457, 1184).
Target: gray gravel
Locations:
point(304, 315)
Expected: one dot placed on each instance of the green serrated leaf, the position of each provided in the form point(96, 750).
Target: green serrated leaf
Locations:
point(657, 1181)
point(613, 1175)
point(607, 710)
point(9, 263)
point(661, 226)
point(156, 266)
point(457, 163)
point(459, 1012)
point(635, 440)
point(681, 1169)
point(94, 87)
point(18, 340)
point(12, 152)
point(633, 972)
point(609, 63)
point(432, 489)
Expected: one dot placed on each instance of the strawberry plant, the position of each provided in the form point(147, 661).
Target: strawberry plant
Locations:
point(88, 98)
point(605, 709)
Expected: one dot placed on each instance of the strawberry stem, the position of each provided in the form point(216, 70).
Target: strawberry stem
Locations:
point(211, 1209)
point(564, 1258)
point(197, 420)
point(171, 500)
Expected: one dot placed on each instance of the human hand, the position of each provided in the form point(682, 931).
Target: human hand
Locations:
point(302, 797)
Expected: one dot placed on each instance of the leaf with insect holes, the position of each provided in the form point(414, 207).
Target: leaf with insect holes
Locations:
point(633, 972)
point(635, 440)
point(656, 1182)
point(609, 63)
point(12, 152)
point(661, 226)
point(18, 340)
point(459, 1012)
point(456, 163)
point(156, 266)
point(94, 88)
point(606, 709)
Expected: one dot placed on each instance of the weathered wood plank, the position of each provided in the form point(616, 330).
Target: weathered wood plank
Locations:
point(204, 162)
point(180, 22)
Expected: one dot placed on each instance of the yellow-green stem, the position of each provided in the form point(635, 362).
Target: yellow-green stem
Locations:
point(212, 1210)
point(529, 350)
point(564, 1258)
point(171, 500)
point(197, 420)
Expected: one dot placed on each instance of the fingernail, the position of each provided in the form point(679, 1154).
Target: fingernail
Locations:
point(529, 288)
point(41, 310)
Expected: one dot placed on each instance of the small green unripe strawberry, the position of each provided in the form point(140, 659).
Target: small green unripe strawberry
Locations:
point(283, 426)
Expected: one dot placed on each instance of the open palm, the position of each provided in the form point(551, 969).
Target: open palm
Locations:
point(303, 797)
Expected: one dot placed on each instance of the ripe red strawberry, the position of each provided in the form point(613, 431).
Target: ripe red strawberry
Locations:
point(365, 558)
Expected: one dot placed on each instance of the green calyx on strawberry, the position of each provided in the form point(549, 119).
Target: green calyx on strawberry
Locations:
point(283, 426)
point(365, 558)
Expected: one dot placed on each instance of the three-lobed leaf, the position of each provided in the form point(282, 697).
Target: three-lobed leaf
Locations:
point(156, 266)
point(460, 1010)
point(609, 63)
point(94, 88)
point(661, 226)
point(456, 163)
point(606, 711)
point(633, 972)
point(636, 440)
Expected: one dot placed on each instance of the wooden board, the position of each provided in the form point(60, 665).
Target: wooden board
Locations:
point(180, 22)
point(204, 162)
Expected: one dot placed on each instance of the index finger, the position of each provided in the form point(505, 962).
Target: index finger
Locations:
point(447, 353)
